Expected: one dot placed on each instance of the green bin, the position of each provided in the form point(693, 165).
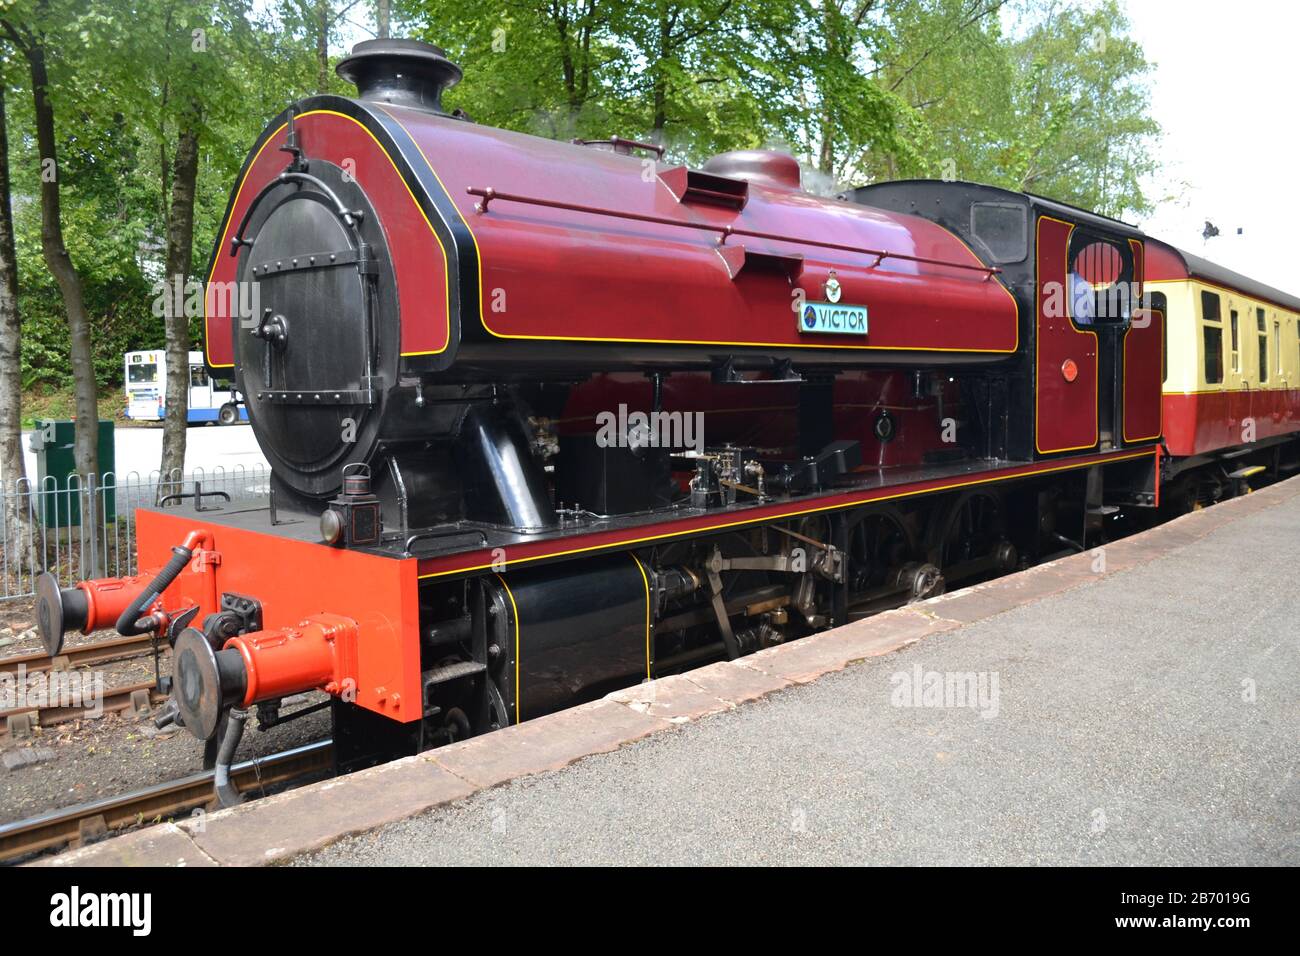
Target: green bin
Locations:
point(53, 442)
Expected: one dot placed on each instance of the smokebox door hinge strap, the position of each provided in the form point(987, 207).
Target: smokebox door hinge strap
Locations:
point(350, 217)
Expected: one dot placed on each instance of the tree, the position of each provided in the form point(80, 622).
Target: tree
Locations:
point(836, 111)
point(1057, 106)
point(180, 253)
point(948, 62)
point(13, 470)
point(320, 19)
point(177, 97)
point(1085, 131)
point(32, 40)
point(686, 44)
point(542, 68)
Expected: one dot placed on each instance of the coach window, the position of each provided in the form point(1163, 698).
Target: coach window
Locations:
point(1212, 337)
point(1277, 348)
point(1161, 305)
point(1262, 327)
point(1236, 354)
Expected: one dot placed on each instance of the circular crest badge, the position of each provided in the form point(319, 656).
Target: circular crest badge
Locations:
point(832, 288)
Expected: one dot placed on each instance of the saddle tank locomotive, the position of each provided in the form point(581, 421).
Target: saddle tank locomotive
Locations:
point(546, 419)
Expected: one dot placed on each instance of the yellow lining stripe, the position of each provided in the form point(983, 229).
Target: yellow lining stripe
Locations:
point(1231, 391)
point(514, 609)
point(1038, 330)
point(244, 181)
point(646, 581)
point(1072, 465)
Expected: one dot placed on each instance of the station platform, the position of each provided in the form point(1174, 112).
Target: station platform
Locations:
point(1138, 704)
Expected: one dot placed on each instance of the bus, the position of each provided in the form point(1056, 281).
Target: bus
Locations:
point(211, 399)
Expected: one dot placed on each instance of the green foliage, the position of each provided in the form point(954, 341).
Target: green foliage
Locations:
point(1050, 98)
point(124, 73)
point(859, 90)
point(1087, 133)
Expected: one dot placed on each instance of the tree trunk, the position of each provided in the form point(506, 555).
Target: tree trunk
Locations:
point(826, 150)
point(322, 46)
point(86, 450)
point(660, 89)
point(17, 523)
point(61, 267)
point(180, 245)
point(381, 19)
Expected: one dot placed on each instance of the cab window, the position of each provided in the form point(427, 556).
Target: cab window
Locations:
point(1100, 287)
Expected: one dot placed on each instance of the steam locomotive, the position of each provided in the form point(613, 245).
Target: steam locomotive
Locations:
point(546, 419)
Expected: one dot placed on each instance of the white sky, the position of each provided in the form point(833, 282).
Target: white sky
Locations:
point(1226, 91)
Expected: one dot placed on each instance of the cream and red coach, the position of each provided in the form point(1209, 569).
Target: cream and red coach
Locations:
point(1232, 377)
point(447, 318)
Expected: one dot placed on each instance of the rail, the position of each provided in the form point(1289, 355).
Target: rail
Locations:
point(59, 828)
point(81, 655)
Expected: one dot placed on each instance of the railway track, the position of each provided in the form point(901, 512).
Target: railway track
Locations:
point(86, 821)
point(98, 652)
point(138, 697)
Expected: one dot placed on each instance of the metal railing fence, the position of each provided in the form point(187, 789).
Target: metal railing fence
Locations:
point(85, 528)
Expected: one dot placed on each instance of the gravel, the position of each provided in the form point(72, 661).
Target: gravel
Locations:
point(87, 759)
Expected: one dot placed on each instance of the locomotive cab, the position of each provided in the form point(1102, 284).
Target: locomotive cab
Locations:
point(1091, 346)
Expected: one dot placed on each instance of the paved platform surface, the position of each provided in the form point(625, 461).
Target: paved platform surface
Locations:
point(1135, 705)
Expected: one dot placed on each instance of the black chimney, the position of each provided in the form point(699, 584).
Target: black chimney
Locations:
point(401, 72)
